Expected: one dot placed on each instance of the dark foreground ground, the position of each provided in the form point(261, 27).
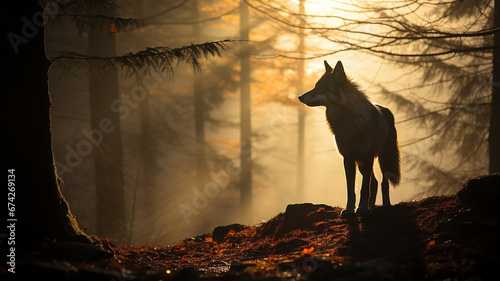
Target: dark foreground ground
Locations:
point(439, 238)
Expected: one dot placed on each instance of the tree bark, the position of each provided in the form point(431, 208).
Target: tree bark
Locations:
point(494, 133)
point(245, 116)
point(41, 213)
point(108, 155)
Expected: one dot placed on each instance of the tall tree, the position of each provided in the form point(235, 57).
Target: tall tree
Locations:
point(149, 167)
point(301, 112)
point(108, 152)
point(41, 212)
point(494, 129)
point(199, 109)
point(245, 114)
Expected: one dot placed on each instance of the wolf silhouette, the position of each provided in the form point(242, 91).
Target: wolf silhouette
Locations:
point(363, 131)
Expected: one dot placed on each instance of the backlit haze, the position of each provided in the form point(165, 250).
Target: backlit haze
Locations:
point(275, 110)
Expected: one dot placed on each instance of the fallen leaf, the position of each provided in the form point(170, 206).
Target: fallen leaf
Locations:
point(307, 251)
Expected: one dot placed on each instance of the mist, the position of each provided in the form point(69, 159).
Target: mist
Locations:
point(180, 135)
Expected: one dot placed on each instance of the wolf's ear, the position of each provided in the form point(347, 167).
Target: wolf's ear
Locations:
point(338, 72)
point(328, 68)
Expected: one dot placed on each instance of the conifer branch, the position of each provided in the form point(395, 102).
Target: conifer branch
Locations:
point(160, 59)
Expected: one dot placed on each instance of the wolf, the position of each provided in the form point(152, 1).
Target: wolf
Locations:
point(363, 131)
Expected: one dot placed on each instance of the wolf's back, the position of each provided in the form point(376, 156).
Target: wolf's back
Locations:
point(389, 157)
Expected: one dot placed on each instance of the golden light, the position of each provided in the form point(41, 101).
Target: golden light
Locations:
point(333, 14)
point(326, 7)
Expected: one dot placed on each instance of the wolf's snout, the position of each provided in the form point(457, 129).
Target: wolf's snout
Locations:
point(312, 99)
point(301, 98)
point(305, 98)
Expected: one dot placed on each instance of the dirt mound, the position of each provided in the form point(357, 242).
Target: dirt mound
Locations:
point(220, 232)
point(303, 217)
point(481, 192)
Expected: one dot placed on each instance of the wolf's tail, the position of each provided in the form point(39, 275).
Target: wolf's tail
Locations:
point(389, 157)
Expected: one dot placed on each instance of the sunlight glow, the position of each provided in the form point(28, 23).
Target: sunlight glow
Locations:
point(326, 7)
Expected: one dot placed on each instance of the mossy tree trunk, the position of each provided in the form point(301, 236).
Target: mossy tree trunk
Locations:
point(41, 213)
point(494, 133)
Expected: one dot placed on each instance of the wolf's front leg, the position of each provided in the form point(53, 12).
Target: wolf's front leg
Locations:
point(350, 174)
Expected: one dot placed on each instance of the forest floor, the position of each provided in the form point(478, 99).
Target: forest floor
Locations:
point(452, 237)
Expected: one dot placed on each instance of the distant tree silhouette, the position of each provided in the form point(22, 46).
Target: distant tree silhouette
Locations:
point(245, 115)
point(199, 110)
point(108, 155)
point(301, 113)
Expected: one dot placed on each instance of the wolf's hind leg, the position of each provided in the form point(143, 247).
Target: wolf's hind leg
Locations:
point(373, 191)
point(385, 191)
point(366, 169)
point(350, 174)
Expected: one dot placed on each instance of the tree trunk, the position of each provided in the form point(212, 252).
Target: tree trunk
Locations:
point(40, 212)
point(245, 119)
point(149, 168)
point(301, 112)
point(199, 113)
point(108, 156)
point(494, 133)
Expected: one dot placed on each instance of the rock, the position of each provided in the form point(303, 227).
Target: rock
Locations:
point(220, 232)
point(298, 216)
point(481, 192)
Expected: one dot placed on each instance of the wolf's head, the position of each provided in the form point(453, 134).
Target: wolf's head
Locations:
point(329, 89)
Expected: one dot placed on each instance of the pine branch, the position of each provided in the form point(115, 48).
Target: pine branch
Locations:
point(160, 59)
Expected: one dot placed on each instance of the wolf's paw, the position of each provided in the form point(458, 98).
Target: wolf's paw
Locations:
point(346, 213)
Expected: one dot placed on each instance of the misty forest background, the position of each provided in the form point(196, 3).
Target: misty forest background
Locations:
point(191, 146)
